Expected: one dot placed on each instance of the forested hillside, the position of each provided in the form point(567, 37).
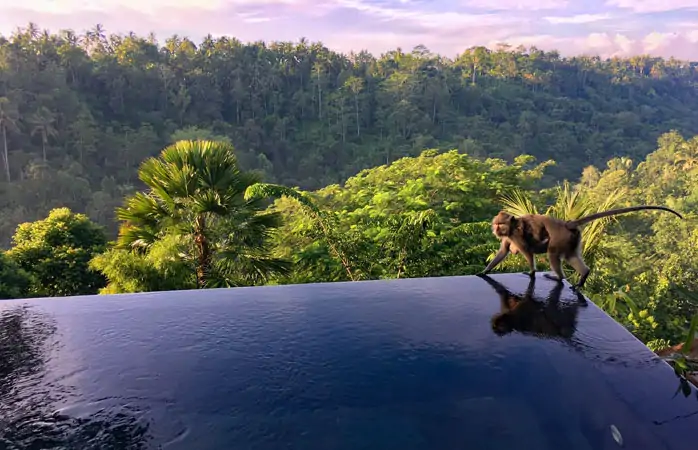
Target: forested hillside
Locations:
point(79, 113)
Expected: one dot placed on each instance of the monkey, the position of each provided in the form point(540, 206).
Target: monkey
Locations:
point(529, 315)
point(528, 237)
point(525, 236)
point(537, 233)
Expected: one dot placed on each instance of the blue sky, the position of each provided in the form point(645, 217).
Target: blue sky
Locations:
point(603, 27)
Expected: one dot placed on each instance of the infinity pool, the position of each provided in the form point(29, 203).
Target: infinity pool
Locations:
point(401, 364)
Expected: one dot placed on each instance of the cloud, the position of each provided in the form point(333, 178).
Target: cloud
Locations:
point(648, 6)
point(580, 18)
point(530, 5)
point(607, 45)
point(148, 7)
point(447, 19)
point(246, 19)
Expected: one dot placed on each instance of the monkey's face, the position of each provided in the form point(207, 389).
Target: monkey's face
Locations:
point(502, 224)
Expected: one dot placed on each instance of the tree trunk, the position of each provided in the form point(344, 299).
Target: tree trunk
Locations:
point(6, 158)
point(356, 101)
point(204, 252)
point(81, 151)
point(43, 143)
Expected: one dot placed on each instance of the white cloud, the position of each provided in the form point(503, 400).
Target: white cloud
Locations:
point(448, 43)
point(680, 45)
point(581, 18)
point(147, 6)
point(439, 21)
point(647, 6)
point(191, 22)
point(143, 6)
point(531, 5)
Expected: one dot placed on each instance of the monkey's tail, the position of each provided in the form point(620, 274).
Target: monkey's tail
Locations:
point(612, 212)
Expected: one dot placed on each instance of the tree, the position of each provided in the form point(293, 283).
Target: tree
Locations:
point(419, 216)
point(8, 121)
point(43, 122)
point(56, 252)
point(196, 191)
point(307, 116)
point(162, 268)
point(355, 85)
point(14, 282)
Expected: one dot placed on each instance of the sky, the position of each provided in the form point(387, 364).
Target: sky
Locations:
point(600, 27)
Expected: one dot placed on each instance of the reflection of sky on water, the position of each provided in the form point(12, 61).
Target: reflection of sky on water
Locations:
point(408, 362)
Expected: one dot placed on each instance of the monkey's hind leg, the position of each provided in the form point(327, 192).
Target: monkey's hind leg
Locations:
point(582, 269)
point(556, 265)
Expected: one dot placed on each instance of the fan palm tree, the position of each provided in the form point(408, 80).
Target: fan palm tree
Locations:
point(197, 191)
point(570, 205)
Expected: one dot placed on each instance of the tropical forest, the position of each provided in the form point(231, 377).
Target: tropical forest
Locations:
point(132, 165)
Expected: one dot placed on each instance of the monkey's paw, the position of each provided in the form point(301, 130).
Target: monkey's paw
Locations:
point(552, 277)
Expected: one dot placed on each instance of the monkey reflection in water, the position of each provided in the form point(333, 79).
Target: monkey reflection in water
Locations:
point(528, 315)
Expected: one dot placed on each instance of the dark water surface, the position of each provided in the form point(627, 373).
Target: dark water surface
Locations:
point(402, 364)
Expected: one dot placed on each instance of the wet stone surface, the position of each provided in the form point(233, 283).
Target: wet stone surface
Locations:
point(442, 363)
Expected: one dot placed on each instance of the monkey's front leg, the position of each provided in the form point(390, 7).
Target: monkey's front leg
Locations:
point(501, 254)
point(531, 263)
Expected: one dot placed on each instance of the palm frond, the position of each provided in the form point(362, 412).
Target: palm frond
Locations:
point(518, 203)
point(138, 239)
point(249, 268)
point(253, 231)
point(593, 232)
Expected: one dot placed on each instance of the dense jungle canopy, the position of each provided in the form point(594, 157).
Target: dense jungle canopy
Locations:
point(80, 112)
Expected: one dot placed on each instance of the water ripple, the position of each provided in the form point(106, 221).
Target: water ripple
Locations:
point(443, 363)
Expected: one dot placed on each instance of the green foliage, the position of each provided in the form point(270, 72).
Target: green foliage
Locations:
point(193, 133)
point(196, 192)
point(80, 112)
point(56, 252)
point(419, 216)
point(14, 282)
point(163, 267)
point(652, 256)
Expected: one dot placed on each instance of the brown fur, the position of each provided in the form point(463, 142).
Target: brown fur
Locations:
point(533, 234)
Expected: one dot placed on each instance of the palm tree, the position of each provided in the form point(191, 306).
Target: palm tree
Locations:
point(43, 125)
point(197, 191)
point(9, 116)
point(569, 205)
